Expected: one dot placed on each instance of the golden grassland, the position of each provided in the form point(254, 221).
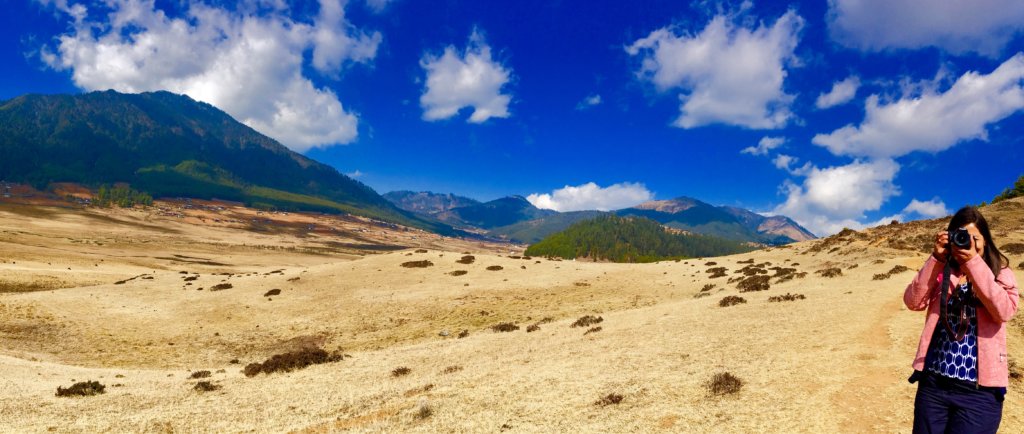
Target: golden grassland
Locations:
point(114, 296)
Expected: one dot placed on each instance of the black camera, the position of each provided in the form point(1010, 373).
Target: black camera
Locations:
point(960, 238)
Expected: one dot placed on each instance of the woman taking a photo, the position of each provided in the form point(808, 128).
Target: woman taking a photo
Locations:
point(961, 361)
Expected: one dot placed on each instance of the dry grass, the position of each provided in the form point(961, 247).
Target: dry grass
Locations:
point(724, 384)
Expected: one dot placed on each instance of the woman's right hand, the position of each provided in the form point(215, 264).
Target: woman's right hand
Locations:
point(941, 251)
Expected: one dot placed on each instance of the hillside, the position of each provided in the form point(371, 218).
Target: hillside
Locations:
point(87, 294)
point(169, 145)
point(496, 213)
point(722, 221)
point(629, 239)
point(532, 231)
point(427, 203)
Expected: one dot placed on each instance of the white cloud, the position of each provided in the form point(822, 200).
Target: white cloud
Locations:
point(933, 122)
point(934, 208)
point(248, 64)
point(836, 197)
point(378, 6)
point(471, 79)
point(588, 102)
point(955, 26)
point(728, 73)
point(355, 174)
point(590, 196)
point(764, 145)
point(841, 93)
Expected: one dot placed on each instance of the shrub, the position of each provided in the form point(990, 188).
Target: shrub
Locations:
point(291, 361)
point(1013, 248)
point(191, 278)
point(423, 410)
point(272, 292)
point(787, 297)
point(221, 286)
point(716, 272)
point(400, 371)
point(463, 334)
point(592, 330)
point(532, 328)
point(468, 259)
point(708, 287)
point(206, 386)
point(452, 369)
point(421, 250)
point(731, 300)
point(495, 268)
point(199, 374)
point(711, 264)
point(459, 273)
point(545, 320)
point(610, 399)
point(587, 321)
point(418, 264)
point(754, 283)
point(830, 272)
point(504, 327)
point(724, 384)
point(82, 388)
point(701, 295)
point(748, 261)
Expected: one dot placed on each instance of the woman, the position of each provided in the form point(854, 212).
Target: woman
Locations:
point(961, 361)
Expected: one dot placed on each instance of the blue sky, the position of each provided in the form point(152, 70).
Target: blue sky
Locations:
point(838, 114)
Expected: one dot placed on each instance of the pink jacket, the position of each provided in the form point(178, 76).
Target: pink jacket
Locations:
point(998, 295)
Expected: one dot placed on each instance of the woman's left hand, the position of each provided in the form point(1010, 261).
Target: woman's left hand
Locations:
point(964, 255)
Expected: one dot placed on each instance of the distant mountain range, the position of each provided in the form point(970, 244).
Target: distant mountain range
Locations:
point(516, 218)
point(171, 145)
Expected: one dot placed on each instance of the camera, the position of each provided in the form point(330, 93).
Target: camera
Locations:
point(960, 238)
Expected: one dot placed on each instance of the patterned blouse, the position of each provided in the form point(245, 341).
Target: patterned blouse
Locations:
point(956, 359)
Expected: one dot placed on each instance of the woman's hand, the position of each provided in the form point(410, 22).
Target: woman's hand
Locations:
point(941, 250)
point(964, 255)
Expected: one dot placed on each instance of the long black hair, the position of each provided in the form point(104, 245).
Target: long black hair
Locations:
point(992, 256)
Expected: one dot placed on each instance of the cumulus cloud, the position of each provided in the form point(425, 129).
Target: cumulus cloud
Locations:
point(836, 197)
point(249, 64)
point(841, 93)
point(959, 27)
point(934, 208)
point(469, 79)
point(378, 6)
point(728, 73)
point(933, 121)
point(590, 196)
point(588, 102)
point(764, 145)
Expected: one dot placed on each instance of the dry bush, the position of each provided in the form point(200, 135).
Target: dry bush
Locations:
point(532, 328)
point(418, 264)
point(852, 266)
point(1014, 370)
point(1012, 248)
point(731, 300)
point(581, 284)
point(191, 278)
point(459, 273)
point(288, 362)
point(830, 272)
point(707, 287)
point(1020, 266)
point(199, 374)
point(787, 297)
point(421, 250)
point(468, 259)
point(400, 371)
point(724, 384)
point(754, 283)
point(752, 270)
point(424, 410)
point(504, 327)
point(221, 286)
point(495, 268)
point(701, 295)
point(206, 386)
point(592, 330)
point(82, 388)
point(272, 292)
point(452, 369)
point(463, 334)
point(748, 261)
point(515, 257)
point(716, 272)
point(610, 399)
point(587, 321)
point(711, 264)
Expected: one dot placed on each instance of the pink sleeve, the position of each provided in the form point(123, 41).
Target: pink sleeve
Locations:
point(924, 285)
point(997, 293)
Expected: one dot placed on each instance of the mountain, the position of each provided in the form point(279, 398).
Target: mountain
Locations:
point(728, 222)
point(496, 213)
point(630, 239)
point(428, 203)
point(532, 231)
point(171, 145)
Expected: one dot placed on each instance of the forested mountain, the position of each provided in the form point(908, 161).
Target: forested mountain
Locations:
point(630, 239)
point(496, 213)
point(171, 145)
point(723, 221)
point(427, 203)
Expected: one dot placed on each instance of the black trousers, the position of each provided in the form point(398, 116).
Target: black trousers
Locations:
point(949, 406)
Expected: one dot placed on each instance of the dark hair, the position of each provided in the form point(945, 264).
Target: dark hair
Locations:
point(992, 256)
